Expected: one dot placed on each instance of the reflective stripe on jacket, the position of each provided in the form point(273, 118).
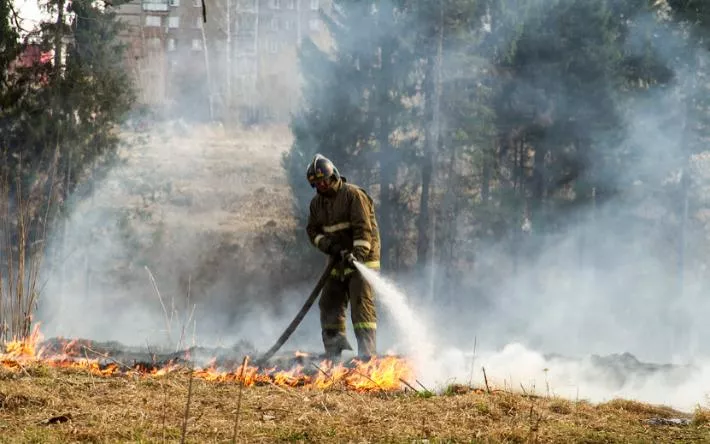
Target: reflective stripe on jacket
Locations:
point(348, 218)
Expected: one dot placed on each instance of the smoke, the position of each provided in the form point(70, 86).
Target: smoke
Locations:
point(607, 283)
point(205, 213)
point(624, 275)
point(438, 362)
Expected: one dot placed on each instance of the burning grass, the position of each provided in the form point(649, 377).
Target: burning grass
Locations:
point(47, 396)
point(387, 373)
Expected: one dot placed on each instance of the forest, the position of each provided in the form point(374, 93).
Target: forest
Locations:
point(510, 145)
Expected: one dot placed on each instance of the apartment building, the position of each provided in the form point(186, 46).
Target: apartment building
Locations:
point(242, 60)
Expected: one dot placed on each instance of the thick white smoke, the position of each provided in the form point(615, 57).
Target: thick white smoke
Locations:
point(518, 368)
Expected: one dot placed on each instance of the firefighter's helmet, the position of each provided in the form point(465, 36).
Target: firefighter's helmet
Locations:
point(321, 168)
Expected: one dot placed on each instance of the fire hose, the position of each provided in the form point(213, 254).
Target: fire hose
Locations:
point(301, 314)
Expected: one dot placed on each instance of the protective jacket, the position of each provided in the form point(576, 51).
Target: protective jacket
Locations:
point(347, 219)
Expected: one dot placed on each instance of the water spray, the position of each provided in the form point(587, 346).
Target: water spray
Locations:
point(410, 326)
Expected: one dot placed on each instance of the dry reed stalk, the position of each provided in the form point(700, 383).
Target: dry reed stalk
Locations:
point(168, 328)
point(23, 252)
point(485, 379)
point(186, 320)
point(187, 405)
point(422, 386)
point(165, 406)
point(239, 398)
point(22, 242)
point(473, 362)
point(409, 385)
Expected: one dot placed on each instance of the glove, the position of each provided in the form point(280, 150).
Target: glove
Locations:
point(327, 246)
point(347, 257)
point(334, 249)
point(359, 254)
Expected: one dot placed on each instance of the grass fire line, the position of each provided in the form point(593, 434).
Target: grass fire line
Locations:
point(386, 373)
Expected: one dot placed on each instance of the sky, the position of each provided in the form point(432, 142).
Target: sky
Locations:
point(29, 11)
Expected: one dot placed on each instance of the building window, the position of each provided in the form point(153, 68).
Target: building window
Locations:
point(174, 2)
point(275, 4)
point(155, 5)
point(198, 23)
point(245, 22)
point(154, 43)
point(288, 25)
point(171, 44)
point(314, 5)
point(152, 20)
point(173, 22)
point(273, 46)
point(314, 24)
point(246, 5)
point(197, 3)
point(197, 44)
point(274, 24)
point(290, 4)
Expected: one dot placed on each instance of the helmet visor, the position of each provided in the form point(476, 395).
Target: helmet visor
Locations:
point(322, 184)
point(317, 177)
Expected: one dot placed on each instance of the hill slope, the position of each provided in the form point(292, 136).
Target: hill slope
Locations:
point(207, 211)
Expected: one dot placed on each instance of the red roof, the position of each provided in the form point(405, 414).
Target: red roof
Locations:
point(33, 55)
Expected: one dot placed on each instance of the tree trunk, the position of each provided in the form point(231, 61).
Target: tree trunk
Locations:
point(519, 203)
point(58, 34)
point(449, 229)
point(58, 70)
point(387, 171)
point(388, 167)
point(433, 117)
point(229, 59)
point(209, 74)
point(299, 31)
point(539, 190)
point(684, 178)
point(485, 179)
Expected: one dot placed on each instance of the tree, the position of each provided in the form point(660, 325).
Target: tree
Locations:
point(508, 122)
point(354, 102)
point(58, 131)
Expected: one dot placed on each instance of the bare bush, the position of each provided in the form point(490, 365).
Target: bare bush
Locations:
point(23, 223)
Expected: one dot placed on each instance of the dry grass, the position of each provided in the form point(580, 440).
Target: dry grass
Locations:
point(47, 405)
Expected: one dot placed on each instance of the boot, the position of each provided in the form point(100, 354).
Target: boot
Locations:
point(366, 343)
point(335, 343)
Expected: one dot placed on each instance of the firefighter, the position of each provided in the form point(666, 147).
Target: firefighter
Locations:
point(342, 224)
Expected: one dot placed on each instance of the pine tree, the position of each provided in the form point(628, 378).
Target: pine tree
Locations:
point(354, 104)
point(58, 132)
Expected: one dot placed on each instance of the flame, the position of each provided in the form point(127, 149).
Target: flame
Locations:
point(386, 373)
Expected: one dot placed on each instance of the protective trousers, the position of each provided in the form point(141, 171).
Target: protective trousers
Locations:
point(337, 292)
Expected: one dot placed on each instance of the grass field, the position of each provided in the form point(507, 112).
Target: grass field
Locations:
point(46, 404)
point(226, 191)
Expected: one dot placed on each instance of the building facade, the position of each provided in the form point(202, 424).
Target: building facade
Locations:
point(241, 61)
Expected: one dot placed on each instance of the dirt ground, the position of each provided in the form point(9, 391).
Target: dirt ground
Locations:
point(207, 178)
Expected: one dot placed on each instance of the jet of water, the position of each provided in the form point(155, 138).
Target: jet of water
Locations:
point(412, 329)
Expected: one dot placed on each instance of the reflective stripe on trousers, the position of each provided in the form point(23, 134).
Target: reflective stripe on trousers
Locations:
point(365, 326)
